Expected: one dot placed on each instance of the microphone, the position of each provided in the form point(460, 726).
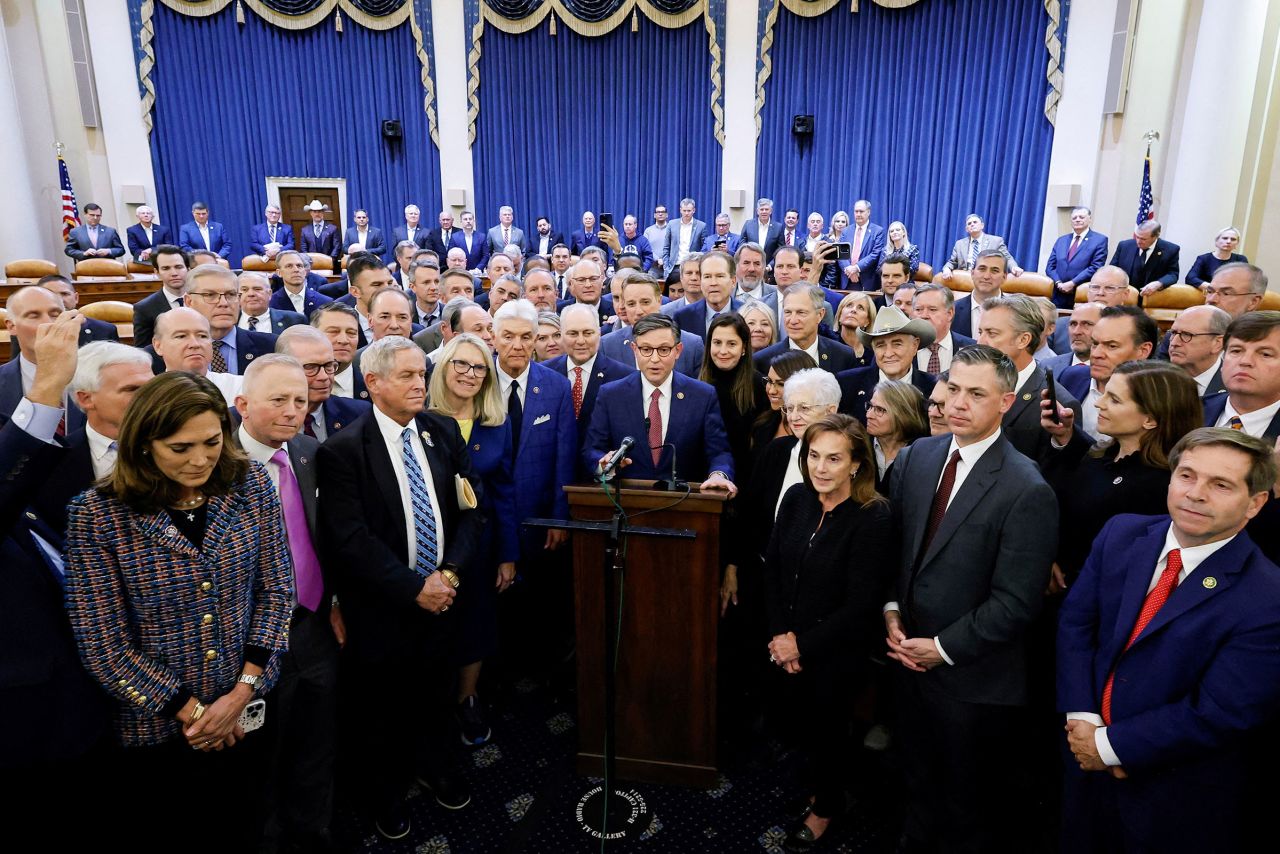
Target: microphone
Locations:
point(617, 457)
point(672, 483)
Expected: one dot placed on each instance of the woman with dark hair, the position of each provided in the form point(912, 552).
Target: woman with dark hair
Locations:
point(770, 424)
point(180, 592)
point(895, 418)
point(825, 573)
point(1148, 406)
point(464, 387)
point(726, 365)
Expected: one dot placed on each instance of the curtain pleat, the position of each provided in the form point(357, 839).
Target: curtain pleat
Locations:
point(615, 123)
point(929, 112)
point(236, 103)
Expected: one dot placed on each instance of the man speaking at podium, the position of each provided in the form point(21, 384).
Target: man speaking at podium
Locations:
point(674, 420)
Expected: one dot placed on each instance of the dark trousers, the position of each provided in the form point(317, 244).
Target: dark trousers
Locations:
point(397, 721)
point(535, 615)
point(815, 706)
point(303, 712)
point(959, 760)
point(59, 804)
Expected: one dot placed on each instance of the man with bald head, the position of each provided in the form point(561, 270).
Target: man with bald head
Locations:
point(90, 329)
point(585, 366)
point(183, 342)
point(327, 413)
point(1109, 286)
point(26, 311)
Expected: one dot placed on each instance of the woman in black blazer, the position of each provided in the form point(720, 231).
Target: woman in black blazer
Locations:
point(770, 424)
point(825, 574)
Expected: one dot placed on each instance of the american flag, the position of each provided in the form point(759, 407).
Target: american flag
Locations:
point(1145, 199)
point(70, 215)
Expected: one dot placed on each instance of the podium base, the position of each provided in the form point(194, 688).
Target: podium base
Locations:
point(615, 816)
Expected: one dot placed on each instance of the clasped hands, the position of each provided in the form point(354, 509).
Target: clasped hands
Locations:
point(436, 594)
point(918, 654)
point(219, 726)
point(784, 651)
point(1084, 747)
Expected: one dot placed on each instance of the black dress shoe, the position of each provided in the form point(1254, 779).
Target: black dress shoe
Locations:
point(394, 823)
point(801, 839)
point(450, 791)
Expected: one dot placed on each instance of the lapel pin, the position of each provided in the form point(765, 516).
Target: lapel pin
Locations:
point(426, 437)
point(475, 447)
point(680, 395)
point(302, 460)
point(337, 425)
point(536, 389)
point(862, 393)
point(248, 356)
point(1027, 396)
point(1210, 582)
point(1117, 481)
point(824, 357)
point(600, 374)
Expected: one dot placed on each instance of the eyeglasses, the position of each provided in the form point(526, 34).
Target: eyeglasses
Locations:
point(1210, 290)
point(802, 409)
point(313, 368)
point(462, 368)
point(876, 409)
point(215, 297)
point(1109, 289)
point(933, 404)
point(1186, 337)
point(646, 352)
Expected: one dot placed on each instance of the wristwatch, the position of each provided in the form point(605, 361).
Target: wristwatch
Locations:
point(254, 682)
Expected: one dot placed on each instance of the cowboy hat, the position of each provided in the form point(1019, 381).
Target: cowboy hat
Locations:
point(891, 321)
point(317, 205)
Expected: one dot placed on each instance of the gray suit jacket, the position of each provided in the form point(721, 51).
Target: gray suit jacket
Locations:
point(108, 238)
point(494, 237)
point(959, 259)
point(428, 339)
point(697, 234)
point(1021, 424)
point(980, 584)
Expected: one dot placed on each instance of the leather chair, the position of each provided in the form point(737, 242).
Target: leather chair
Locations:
point(320, 262)
point(1029, 283)
point(27, 271)
point(1270, 301)
point(961, 281)
point(137, 268)
point(112, 311)
point(924, 273)
point(1082, 294)
point(255, 264)
point(105, 268)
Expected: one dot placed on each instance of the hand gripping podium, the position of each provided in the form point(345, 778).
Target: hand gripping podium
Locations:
point(664, 582)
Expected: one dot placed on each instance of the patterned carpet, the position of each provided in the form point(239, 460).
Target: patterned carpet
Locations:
point(526, 796)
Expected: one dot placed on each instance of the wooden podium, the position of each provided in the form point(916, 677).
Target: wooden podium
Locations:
point(666, 673)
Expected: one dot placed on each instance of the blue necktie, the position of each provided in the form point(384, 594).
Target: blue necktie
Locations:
point(973, 254)
point(424, 516)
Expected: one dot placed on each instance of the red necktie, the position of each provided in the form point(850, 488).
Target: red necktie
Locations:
point(940, 498)
point(1150, 607)
point(309, 426)
point(935, 361)
point(1075, 244)
point(655, 426)
point(577, 391)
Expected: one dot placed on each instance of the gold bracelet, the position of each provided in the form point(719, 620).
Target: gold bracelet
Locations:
point(196, 713)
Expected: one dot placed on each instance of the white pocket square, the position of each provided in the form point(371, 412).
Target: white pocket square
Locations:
point(541, 419)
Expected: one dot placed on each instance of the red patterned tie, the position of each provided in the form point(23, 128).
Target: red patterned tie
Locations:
point(1075, 244)
point(1150, 607)
point(655, 426)
point(577, 391)
point(935, 361)
point(940, 499)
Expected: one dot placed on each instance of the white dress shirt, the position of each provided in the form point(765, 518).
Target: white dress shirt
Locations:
point(391, 432)
point(1203, 380)
point(1255, 423)
point(299, 300)
point(263, 454)
point(344, 382)
point(228, 384)
point(812, 349)
point(586, 370)
point(172, 297)
point(686, 235)
point(204, 235)
point(362, 236)
point(102, 452)
point(505, 381)
point(946, 348)
point(664, 401)
point(1192, 557)
point(1024, 375)
point(1089, 409)
point(264, 322)
point(790, 478)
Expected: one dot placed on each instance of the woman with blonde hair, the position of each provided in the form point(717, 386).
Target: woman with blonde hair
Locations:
point(1225, 243)
point(760, 321)
point(897, 242)
point(856, 311)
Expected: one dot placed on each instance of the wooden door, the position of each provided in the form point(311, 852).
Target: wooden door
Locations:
point(294, 199)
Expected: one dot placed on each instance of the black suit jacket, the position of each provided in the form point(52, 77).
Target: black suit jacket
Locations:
point(1021, 424)
point(363, 521)
point(603, 370)
point(857, 384)
point(535, 241)
point(981, 582)
point(327, 243)
point(145, 312)
point(1161, 266)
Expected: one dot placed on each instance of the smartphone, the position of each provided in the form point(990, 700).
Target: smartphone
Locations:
point(606, 219)
point(254, 715)
point(843, 251)
point(1053, 395)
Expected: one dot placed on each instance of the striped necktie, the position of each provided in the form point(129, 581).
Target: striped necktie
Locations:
point(424, 515)
point(973, 254)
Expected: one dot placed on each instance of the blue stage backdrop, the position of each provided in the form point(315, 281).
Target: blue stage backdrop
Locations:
point(236, 103)
point(614, 123)
point(929, 112)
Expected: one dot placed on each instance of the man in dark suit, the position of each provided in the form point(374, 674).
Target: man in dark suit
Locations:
point(171, 265)
point(1123, 332)
point(320, 237)
point(1196, 342)
point(1152, 263)
point(363, 237)
point(586, 236)
point(978, 528)
point(424, 282)
point(685, 235)
point(268, 239)
point(256, 313)
point(91, 330)
point(803, 309)
point(505, 233)
point(144, 237)
point(402, 543)
point(57, 728)
point(763, 230)
point(440, 239)
point(717, 277)
point(721, 237)
point(895, 340)
point(29, 309)
point(866, 241)
point(546, 238)
point(640, 297)
point(936, 304)
point(472, 242)
point(214, 292)
point(411, 230)
point(1075, 258)
point(93, 239)
point(1251, 374)
point(1166, 664)
point(682, 435)
point(201, 233)
point(989, 273)
point(326, 413)
point(294, 295)
point(304, 702)
point(586, 368)
point(1013, 324)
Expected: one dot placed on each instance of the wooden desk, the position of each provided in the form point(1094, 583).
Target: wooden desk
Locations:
point(96, 289)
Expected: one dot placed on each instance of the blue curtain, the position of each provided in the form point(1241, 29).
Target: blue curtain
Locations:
point(236, 103)
point(612, 123)
point(929, 112)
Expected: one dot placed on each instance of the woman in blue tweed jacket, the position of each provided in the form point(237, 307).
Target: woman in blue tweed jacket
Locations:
point(179, 588)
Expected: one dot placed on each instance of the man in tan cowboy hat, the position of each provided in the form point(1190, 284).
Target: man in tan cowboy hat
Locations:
point(894, 339)
point(321, 237)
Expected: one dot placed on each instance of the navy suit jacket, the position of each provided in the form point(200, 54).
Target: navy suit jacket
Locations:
point(326, 244)
point(771, 239)
point(11, 395)
point(401, 233)
point(259, 237)
point(108, 238)
point(732, 241)
point(578, 241)
point(437, 243)
point(311, 300)
point(603, 370)
point(478, 254)
point(693, 317)
point(535, 241)
point(189, 238)
point(1090, 255)
point(342, 411)
point(546, 452)
point(857, 384)
point(833, 356)
point(251, 345)
point(490, 448)
point(137, 237)
point(1190, 687)
point(374, 242)
point(696, 431)
point(1214, 405)
point(1076, 380)
point(616, 345)
point(281, 319)
point(1161, 266)
point(868, 260)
